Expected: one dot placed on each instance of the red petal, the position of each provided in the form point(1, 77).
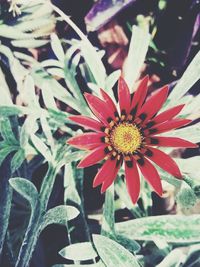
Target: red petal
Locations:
point(168, 114)
point(93, 157)
point(154, 103)
point(151, 175)
point(109, 102)
point(168, 125)
point(124, 96)
point(110, 179)
point(170, 142)
point(140, 94)
point(98, 107)
point(84, 141)
point(132, 181)
point(105, 171)
point(164, 161)
point(87, 122)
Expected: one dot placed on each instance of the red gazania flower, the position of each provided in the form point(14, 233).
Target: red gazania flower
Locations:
point(131, 136)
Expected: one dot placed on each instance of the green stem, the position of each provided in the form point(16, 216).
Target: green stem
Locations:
point(33, 230)
point(47, 186)
point(108, 224)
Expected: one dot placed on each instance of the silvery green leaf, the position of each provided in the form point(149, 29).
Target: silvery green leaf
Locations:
point(190, 133)
point(5, 91)
point(186, 197)
point(7, 132)
point(4, 152)
point(30, 43)
point(192, 106)
point(190, 165)
point(57, 47)
point(170, 228)
point(26, 189)
point(41, 147)
point(17, 160)
point(113, 254)
point(51, 63)
point(136, 55)
point(29, 127)
point(94, 63)
point(98, 264)
point(25, 57)
point(59, 215)
point(12, 33)
point(73, 156)
point(175, 258)
point(110, 82)
point(6, 111)
point(189, 78)
point(70, 193)
point(29, 92)
point(88, 51)
point(30, 25)
point(79, 252)
point(56, 72)
point(48, 96)
point(47, 132)
point(108, 223)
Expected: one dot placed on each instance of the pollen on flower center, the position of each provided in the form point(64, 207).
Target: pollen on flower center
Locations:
point(126, 138)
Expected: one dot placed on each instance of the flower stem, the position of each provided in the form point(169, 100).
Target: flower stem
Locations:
point(34, 229)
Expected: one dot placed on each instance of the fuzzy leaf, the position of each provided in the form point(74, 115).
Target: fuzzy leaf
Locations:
point(57, 47)
point(41, 147)
point(7, 133)
point(30, 43)
point(174, 229)
point(17, 160)
point(98, 264)
point(6, 111)
point(136, 55)
point(113, 254)
point(189, 78)
point(79, 252)
point(26, 189)
point(59, 215)
point(4, 152)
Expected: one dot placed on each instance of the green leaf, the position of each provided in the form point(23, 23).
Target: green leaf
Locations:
point(113, 254)
point(128, 243)
point(29, 91)
point(189, 78)
point(88, 51)
point(29, 127)
point(26, 189)
point(17, 160)
point(190, 133)
point(98, 264)
point(56, 72)
point(48, 96)
point(4, 152)
point(57, 47)
point(30, 43)
point(7, 132)
point(170, 228)
point(79, 252)
point(70, 193)
point(6, 111)
point(108, 223)
point(59, 215)
point(41, 147)
point(136, 55)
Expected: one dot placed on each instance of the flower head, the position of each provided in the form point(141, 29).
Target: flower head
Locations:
point(130, 136)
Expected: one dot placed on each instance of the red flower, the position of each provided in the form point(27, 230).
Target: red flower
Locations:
point(130, 137)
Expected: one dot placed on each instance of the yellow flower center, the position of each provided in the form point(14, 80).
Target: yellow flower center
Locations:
point(126, 138)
